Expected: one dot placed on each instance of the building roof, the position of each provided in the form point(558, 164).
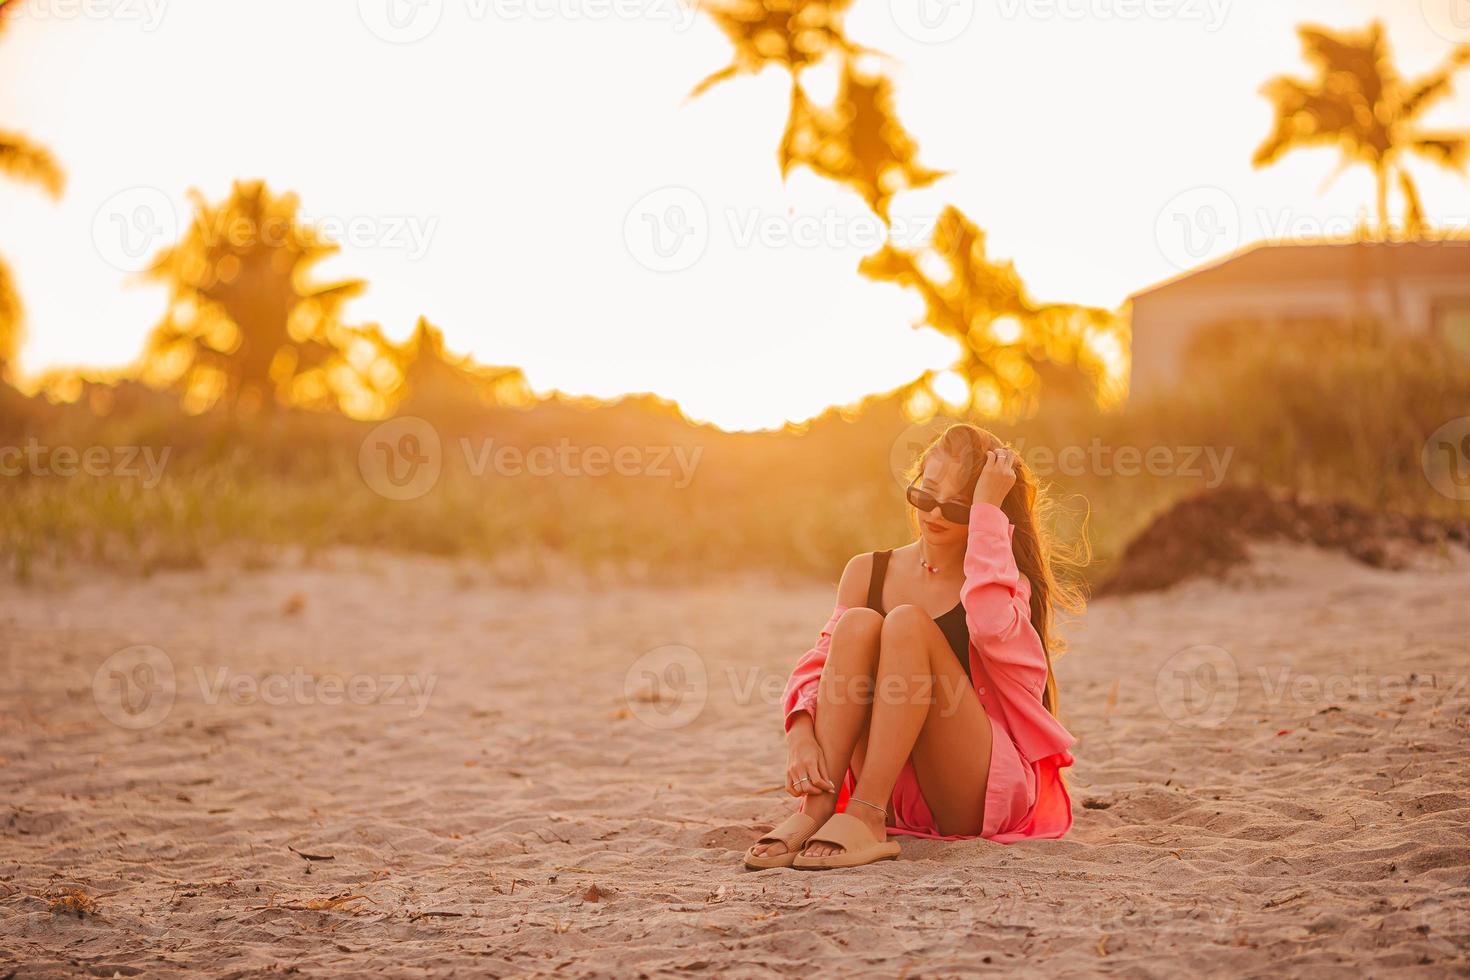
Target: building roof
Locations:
point(1266, 264)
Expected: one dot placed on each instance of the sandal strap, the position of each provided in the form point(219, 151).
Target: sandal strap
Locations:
point(793, 831)
point(845, 831)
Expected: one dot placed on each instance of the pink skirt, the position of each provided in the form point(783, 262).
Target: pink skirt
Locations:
point(1010, 795)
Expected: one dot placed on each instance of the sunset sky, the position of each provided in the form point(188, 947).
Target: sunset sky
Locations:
point(504, 173)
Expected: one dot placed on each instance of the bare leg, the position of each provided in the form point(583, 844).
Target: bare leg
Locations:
point(844, 701)
point(924, 709)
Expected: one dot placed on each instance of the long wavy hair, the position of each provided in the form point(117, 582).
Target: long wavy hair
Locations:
point(1038, 555)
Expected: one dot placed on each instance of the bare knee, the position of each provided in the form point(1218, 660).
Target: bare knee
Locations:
point(904, 673)
point(856, 635)
point(853, 658)
point(906, 624)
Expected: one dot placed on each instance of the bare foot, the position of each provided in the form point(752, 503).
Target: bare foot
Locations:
point(819, 808)
point(871, 818)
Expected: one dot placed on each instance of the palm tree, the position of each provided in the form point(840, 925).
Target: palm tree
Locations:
point(244, 326)
point(858, 140)
point(1011, 345)
point(26, 161)
point(792, 34)
point(1358, 102)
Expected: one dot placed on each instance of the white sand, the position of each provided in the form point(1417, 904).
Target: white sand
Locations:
point(1319, 825)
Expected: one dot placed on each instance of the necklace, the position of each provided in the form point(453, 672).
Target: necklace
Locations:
point(931, 569)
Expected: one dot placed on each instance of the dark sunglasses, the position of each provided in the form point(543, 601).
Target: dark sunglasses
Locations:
point(954, 511)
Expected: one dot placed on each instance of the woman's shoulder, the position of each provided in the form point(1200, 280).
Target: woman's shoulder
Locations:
point(853, 588)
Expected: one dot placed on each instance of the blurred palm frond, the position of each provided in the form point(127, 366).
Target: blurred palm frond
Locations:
point(792, 34)
point(858, 141)
point(26, 161)
point(1358, 102)
point(1011, 346)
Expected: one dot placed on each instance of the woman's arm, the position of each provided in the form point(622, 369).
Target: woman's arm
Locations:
point(991, 595)
point(996, 596)
point(801, 687)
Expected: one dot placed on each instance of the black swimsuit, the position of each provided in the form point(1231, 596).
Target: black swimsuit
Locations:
point(952, 623)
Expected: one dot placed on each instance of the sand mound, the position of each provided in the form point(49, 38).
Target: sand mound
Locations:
point(1209, 534)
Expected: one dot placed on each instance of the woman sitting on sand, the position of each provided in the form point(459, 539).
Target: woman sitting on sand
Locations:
point(929, 694)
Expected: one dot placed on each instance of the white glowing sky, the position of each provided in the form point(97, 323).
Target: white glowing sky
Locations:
point(520, 143)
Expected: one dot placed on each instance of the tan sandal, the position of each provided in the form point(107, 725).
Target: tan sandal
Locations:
point(859, 847)
point(793, 832)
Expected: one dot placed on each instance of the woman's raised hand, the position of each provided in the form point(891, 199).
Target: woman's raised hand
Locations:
point(806, 773)
point(998, 476)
